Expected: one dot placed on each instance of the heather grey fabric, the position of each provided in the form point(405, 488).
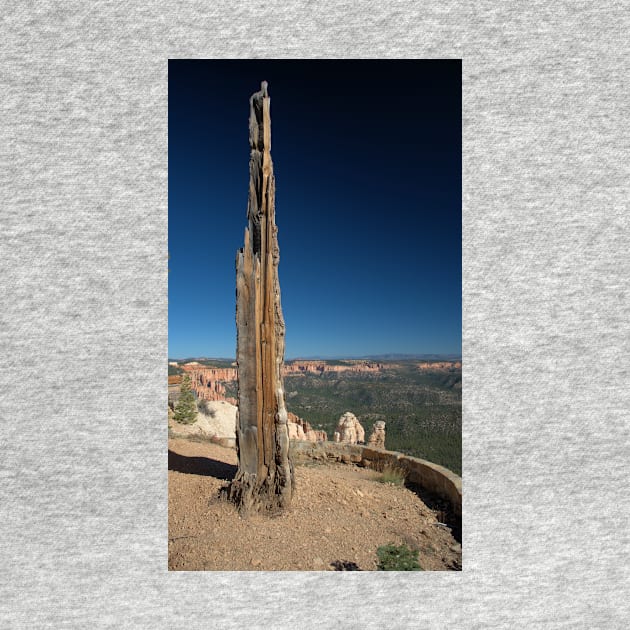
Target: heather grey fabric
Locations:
point(84, 320)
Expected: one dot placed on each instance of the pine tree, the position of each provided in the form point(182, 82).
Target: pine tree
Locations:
point(186, 408)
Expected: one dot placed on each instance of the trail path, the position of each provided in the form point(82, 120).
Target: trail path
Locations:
point(339, 516)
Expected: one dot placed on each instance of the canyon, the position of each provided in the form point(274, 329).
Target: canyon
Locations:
point(208, 385)
point(412, 396)
point(322, 367)
point(208, 382)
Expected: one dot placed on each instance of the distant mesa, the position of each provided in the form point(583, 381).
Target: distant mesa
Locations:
point(440, 366)
point(208, 382)
point(322, 367)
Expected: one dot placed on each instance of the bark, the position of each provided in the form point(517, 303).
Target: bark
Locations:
point(265, 480)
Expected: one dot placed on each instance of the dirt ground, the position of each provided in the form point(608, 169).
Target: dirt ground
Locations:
point(339, 516)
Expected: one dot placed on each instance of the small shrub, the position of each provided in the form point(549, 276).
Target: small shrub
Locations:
point(393, 475)
point(393, 558)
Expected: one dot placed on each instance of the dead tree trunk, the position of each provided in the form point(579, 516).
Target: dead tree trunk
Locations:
point(264, 481)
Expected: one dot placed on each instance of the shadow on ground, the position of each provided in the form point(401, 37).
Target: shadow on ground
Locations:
point(442, 509)
point(203, 466)
point(345, 565)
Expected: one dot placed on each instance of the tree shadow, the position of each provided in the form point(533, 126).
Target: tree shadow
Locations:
point(345, 565)
point(441, 507)
point(203, 466)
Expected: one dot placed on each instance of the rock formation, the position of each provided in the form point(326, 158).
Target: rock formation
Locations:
point(321, 367)
point(377, 438)
point(349, 429)
point(265, 479)
point(300, 429)
point(212, 373)
point(207, 383)
point(202, 374)
point(440, 366)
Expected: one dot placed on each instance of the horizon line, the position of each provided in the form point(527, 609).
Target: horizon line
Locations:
point(384, 355)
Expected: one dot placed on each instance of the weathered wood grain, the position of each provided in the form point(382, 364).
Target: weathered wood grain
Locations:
point(265, 479)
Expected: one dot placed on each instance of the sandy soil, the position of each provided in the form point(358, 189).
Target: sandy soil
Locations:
point(220, 421)
point(339, 516)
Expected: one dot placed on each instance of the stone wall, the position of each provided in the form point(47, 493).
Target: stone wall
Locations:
point(429, 476)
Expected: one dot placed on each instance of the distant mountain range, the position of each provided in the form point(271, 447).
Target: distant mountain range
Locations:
point(368, 357)
point(384, 357)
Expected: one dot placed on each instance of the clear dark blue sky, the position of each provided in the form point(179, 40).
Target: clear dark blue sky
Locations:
point(367, 158)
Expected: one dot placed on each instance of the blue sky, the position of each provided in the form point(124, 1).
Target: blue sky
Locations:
point(367, 159)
